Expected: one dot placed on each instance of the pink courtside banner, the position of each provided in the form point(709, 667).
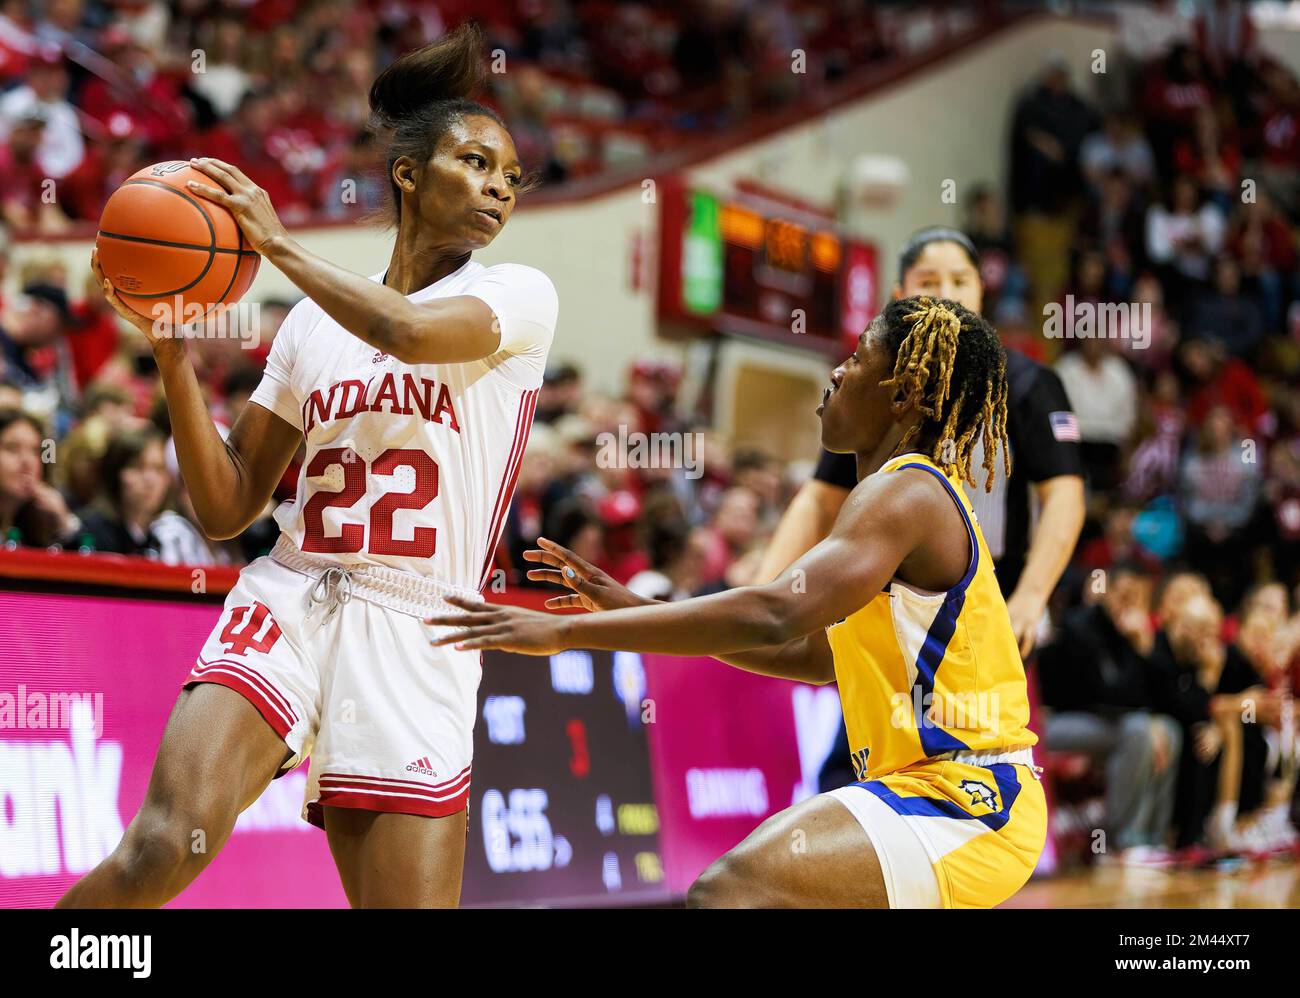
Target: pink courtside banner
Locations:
point(86, 686)
point(728, 749)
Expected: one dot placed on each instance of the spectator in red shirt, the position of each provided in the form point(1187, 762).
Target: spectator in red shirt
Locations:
point(92, 333)
point(1277, 136)
point(153, 100)
point(1210, 156)
point(1219, 380)
point(244, 140)
point(24, 203)
point(110, 159)
point(1173, 94)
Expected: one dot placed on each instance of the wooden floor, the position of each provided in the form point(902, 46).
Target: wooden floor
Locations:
point(1270, 885)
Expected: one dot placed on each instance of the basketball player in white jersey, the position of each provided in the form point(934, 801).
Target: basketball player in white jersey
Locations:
point(414, 392)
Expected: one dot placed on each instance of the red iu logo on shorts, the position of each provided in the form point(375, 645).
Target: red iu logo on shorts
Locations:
point(241, 639)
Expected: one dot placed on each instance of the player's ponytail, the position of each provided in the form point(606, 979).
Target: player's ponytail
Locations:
point(416, 99)
point(449, 69)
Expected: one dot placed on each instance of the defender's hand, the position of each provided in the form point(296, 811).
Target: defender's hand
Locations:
point(509, 628)
point(591, 588)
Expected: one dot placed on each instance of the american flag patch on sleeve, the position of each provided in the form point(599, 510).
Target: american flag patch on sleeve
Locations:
point(1064, 426)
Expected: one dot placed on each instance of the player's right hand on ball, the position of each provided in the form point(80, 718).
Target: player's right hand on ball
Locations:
point(591, 588)
point(154, 332)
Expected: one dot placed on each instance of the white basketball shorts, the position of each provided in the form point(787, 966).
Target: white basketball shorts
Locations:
point(386, 718)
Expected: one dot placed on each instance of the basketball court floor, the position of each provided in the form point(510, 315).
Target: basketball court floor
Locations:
point(1275, 884)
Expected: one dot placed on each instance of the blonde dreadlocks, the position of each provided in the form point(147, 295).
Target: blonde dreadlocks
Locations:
point(950, 363)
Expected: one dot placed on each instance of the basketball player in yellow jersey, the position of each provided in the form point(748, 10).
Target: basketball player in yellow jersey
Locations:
point(900, 605)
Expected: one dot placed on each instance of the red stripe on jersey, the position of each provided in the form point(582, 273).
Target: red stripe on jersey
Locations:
point(523, 423)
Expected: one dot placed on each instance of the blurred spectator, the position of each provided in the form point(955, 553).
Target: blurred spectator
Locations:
point(134, 483)
point(1227, 316)
point(1104, 395)
point(732, 528)
point(1264, 246)
point(246, 139)
point(1048, 127)
point(224, 79)
point(35, 353)
point(32, 512)
point(1184, 235)
point(26, 201)
point(986, 224)
point(1187, 659)
point(1216, 379)
point(1119, 149)
point(1282, 490)
point(44, 97)
point(561, 388)
point(1174, 91)
point(1210, 158)
point(1096, 678)
point(1221, 484)
point(677, 559)
point(150, 99)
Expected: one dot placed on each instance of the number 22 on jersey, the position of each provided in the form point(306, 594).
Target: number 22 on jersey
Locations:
point(352, 536)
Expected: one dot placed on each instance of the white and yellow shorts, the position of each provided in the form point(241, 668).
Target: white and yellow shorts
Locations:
point(961, 833)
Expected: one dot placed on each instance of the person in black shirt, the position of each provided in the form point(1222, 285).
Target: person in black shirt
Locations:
point(1208, 687)
point(135, 481)
point(1098, 682)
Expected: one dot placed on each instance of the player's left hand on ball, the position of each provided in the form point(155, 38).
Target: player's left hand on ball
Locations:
point(250, 205)
point(509, 628)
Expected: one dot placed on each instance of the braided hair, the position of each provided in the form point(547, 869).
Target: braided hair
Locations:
point(950, 363)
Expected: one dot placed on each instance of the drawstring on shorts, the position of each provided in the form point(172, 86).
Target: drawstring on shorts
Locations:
point(332, 589)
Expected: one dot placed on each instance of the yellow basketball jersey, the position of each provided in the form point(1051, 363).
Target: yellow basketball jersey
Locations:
point(924, 674)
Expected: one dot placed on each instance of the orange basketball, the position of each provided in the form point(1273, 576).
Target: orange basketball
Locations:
point(160, 243)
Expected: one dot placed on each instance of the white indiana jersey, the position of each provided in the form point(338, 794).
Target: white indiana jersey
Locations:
point(411, 466)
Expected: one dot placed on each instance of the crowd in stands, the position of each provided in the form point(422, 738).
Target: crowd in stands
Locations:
point(92, 91)
point(1172, 189)
point(1161, 212)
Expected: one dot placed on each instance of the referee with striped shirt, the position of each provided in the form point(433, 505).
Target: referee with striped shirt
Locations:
point(1046, 464)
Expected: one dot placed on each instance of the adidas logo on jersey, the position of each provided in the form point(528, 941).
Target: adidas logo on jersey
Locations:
point(422, 766)
point(379, 357)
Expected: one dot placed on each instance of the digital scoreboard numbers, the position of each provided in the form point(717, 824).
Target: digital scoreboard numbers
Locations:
point(749, 264)
point(562, 808)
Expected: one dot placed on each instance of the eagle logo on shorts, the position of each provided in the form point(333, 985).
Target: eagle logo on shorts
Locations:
point(980, 793)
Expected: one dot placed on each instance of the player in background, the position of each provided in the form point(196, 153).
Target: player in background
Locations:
point(900, 606)
point(1044, 443)
point(413, 391)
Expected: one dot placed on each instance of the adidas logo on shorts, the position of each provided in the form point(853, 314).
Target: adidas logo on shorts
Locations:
point(422, 766)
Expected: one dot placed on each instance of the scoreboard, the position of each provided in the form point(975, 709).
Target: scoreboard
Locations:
point(562, 805)
point(756, 263)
